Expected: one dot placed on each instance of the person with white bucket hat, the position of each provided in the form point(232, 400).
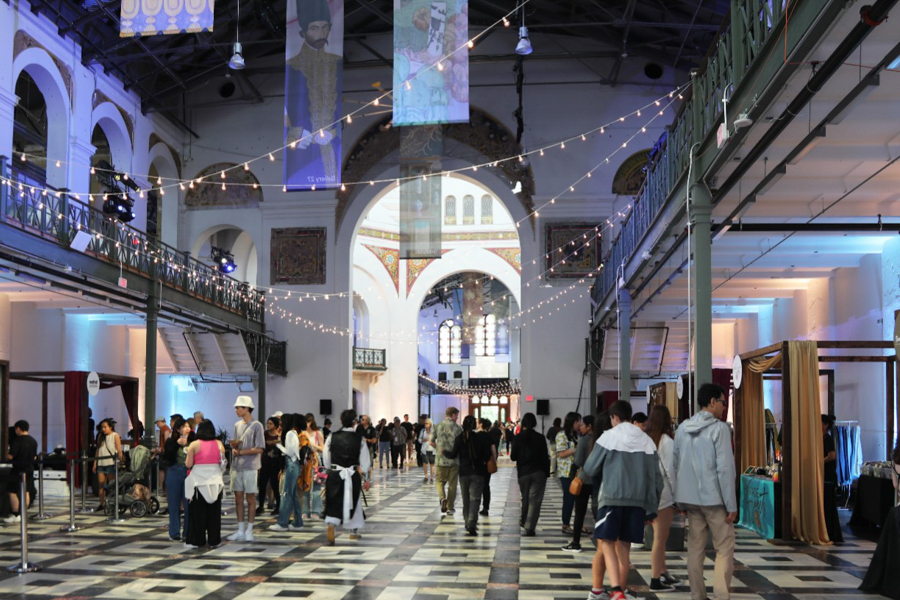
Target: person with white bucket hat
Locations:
point(247, 446)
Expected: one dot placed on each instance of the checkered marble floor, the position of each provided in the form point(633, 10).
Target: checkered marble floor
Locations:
point(407, 552)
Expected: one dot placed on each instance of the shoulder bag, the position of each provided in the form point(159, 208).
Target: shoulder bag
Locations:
point(491, 465)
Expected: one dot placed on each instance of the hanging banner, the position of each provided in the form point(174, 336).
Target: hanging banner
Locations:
point(473, 306)
point(152, 17)
point(431, 62)
point(420, 193)
point(312, 97)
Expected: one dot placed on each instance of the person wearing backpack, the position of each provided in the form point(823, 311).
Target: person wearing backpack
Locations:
point(473, 449)
point(398, 443)
point(290, 492)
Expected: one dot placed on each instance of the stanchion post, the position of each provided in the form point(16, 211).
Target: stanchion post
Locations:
point(71, 526)
point(24, 566)
point(114, 518)
point(41, 514)
point(84, 482)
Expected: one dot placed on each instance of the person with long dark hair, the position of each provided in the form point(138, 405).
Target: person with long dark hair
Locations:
point(566, 442)
point(291, 500)
point(272, 463)
point(313, 499)
point(109, 447)
point(175, 454)
point(205, 457)
point(587, 489)
point(659, 428)
point(529, 452)
point(486, 492)
point(473, 449)
point(551, 437)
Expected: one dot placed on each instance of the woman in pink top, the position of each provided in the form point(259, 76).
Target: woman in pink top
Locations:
point(203, 487)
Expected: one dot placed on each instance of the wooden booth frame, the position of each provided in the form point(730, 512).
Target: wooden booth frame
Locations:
point(892, 381)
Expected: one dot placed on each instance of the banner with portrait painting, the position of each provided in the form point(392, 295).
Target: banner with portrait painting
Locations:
point(312, 97)
point(431, 62)
point(420, 191)
point(152, 17)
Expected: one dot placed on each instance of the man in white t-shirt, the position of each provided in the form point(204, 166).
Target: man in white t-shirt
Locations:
point(247, 445)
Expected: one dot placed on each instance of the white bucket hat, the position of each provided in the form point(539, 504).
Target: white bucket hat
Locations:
point(244, 401)
point(278, 414)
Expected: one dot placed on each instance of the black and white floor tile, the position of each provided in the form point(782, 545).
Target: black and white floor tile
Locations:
point(407, 552)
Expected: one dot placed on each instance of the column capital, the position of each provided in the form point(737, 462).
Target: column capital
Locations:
point(81, 151)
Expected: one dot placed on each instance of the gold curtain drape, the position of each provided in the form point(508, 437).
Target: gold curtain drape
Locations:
point(752, 417)
point(806, 464)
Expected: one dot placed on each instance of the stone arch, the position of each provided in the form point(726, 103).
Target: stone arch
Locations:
point(631, 174)
point(245, 249)
point(110, 120)
point(483, 133)
point(38, 63)
point(160, 157)
point(487, 263)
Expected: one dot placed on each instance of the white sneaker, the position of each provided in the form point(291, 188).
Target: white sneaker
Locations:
point(237, 536)
point(191, 547)
point(604, 595)
point(293, 527)
point(12, 519)
point(277, 527)
point(248, 535)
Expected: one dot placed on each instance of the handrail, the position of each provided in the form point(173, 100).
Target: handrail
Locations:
point(739, 43)
point(370, 358)
point(41, 213)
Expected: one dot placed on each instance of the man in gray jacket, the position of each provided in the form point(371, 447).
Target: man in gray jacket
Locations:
point(704, 487)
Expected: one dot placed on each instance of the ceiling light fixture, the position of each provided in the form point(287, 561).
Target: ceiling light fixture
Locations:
point(237, 59)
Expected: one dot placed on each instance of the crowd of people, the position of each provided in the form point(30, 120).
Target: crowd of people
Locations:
point(631, 469)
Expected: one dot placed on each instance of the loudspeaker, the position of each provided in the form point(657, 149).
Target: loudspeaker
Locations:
point(324, 407)
point(543, 408)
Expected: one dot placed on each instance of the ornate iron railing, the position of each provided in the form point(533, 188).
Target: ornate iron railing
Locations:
point(58, 216)
point(739, 43)
point(261, 347)
point(369, 359)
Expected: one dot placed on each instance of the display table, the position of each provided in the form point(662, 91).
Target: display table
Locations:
point(874, 500)
point(761, 506)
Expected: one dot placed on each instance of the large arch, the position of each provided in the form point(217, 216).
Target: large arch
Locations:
point(110, 120)
point(491, 139)
point(43, 70)
point(245, 250)
point(160, 157)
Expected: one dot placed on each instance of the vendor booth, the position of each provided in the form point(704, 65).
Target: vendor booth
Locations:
point(797, 487)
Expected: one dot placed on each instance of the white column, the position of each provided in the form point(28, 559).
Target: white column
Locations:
point(8, 101)
point(78, 176)
point(5, 327)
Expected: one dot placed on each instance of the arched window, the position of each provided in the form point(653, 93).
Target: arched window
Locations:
point(450, 210)
point(486, 336)
point(468, 210)
point(487, 210)
point(449, 343)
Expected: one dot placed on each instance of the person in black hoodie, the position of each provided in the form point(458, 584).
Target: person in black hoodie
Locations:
point(529, 452)
point(473, 450)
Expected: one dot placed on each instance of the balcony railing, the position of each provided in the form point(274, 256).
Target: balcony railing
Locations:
point(369, 359)
point(739, 43)
point(57, 217)
point(261, 347)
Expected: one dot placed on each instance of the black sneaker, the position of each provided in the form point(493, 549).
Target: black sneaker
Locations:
point(658, 587)
point(484, 513)
point(444, 505)
point(669, 580)
point(572, 547)
point(529, 533)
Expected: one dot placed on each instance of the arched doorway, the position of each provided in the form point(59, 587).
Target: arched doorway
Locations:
point(30, 129)
point(232, 244)
point(482, 237)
